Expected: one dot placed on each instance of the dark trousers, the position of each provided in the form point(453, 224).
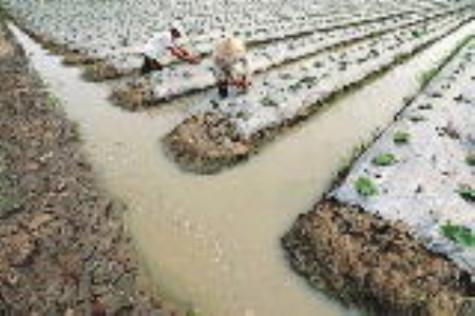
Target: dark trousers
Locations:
point(149, 65)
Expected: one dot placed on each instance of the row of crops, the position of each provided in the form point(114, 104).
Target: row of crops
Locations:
point(103, 28)
point(182, 79)
point(301, 53)
point(292, 92)
point(100, 27)
point(421, 170)
point(285, 93)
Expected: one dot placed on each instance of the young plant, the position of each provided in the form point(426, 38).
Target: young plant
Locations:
point(365, 187)
point(243, 115)
point(470, 159)
point(401, 137)
point(285, 76)
point(295, 86)
point(308, 80)
point(269, 102)
point(426, 106)
point(52, 101)
point(384, 159)
point(417, 118)
point(459, 234)
point(467, 193)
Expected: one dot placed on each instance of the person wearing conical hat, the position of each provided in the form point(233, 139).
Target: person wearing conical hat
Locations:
point(231, 65)
point(162, 43)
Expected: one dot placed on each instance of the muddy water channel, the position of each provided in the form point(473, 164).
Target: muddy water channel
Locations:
point(213, 241)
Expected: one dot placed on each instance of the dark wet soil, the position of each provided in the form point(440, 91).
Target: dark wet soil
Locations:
point(63, 247)
point(206, 143)
point(366, 262)
point(134, 94)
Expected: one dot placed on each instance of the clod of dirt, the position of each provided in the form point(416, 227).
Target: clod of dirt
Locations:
point(100, 71)
point(135, 94)
point(206, 143)
point(76, 58)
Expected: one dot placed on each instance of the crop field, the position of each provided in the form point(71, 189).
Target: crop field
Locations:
point(399, 173)
point(418, 173)
point(366, 105)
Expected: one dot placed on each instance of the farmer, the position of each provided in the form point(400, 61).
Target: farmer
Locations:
point(231, 65)
point(162, 43)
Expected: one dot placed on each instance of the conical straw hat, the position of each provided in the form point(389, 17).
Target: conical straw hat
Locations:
point(230, 48)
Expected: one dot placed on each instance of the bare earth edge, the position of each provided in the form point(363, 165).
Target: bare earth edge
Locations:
point(370, 263)
point(63, 246)
point(367, 262)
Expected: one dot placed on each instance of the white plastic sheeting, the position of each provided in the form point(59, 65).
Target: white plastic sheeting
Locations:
point(421, 189)
point(282, 95)
point(100, 28)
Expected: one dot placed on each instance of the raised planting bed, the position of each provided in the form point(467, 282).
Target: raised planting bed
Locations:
point(290, 95)
point(432, 176)
point(184, 79)
point(397, 236)
point(101, 29)
point(109, 33)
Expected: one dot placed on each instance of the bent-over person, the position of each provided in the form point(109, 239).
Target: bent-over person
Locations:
point(162, 43)
point(231, 65)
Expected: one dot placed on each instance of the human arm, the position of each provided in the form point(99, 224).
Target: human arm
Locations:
point(183, 54)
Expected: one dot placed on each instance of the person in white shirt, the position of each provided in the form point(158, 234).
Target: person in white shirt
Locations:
point(231, 65)
point(161, 44)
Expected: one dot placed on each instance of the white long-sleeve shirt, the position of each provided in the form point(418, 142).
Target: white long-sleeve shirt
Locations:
point(158, 45)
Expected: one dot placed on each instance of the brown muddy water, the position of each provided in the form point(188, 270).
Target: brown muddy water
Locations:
point(214, 241)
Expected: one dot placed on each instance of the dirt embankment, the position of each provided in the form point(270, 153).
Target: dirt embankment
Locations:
point(63, 249)
point(367, 262)
point(94, 69)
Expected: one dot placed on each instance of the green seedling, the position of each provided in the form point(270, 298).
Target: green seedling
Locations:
point(285, 76)
point(365, 187)
point(401, 137)
point(214, 104)
point(384, 159)
point(242, 115)
point(459, 234)
point(419, 33)
point(426, 106)
point(269, 102)
point(417, 118)
point(470, 159)
point(309, 80)
point(296, 86)
point(52, 101)
point(317, 64)
point(467, 193)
